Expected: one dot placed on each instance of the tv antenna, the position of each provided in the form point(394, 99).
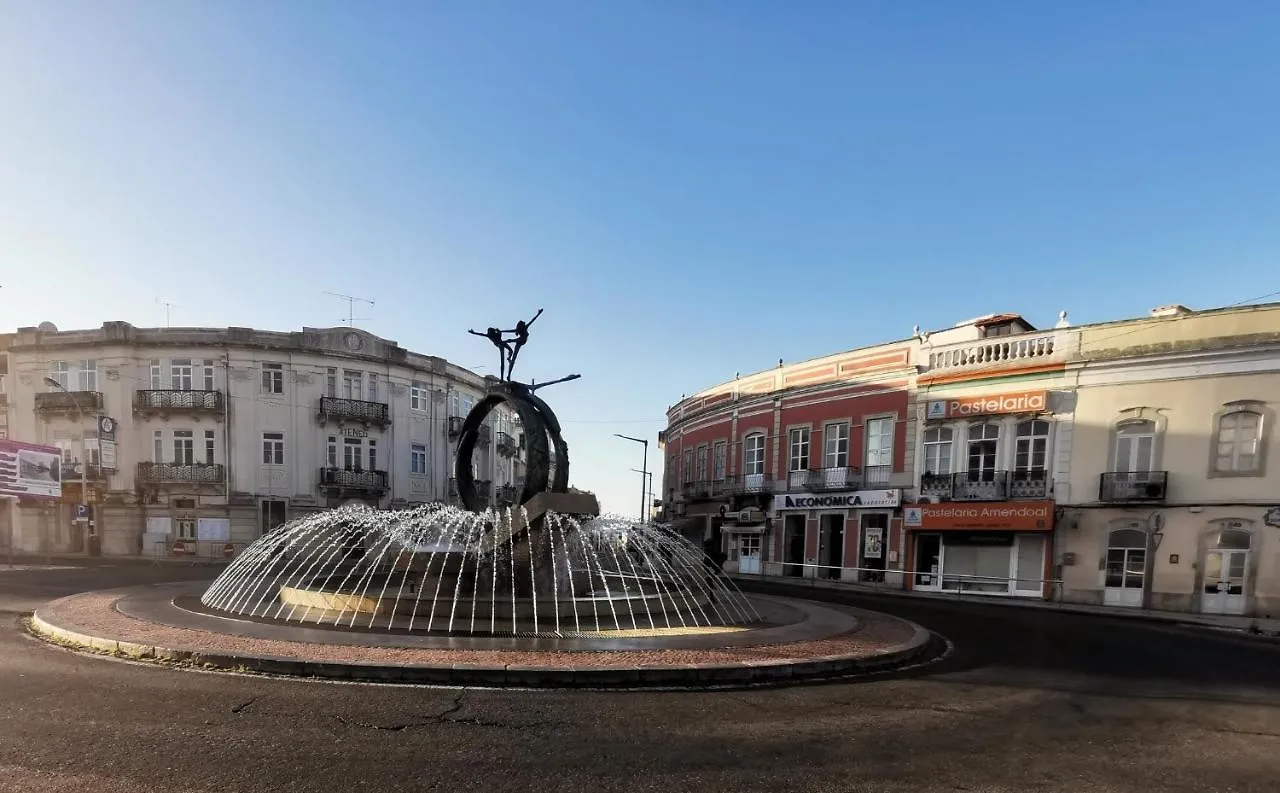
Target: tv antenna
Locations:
point(168, 308)
point(351, 318)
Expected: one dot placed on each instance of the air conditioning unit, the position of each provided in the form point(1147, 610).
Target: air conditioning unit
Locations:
point(750, 516)
point(926, 500)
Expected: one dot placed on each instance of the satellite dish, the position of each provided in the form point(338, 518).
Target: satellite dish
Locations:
point(47, 327)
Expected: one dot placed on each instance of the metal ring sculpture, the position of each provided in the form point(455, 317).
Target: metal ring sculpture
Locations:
point(542, 439)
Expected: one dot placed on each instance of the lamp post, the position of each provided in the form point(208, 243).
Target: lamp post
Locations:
point(84, 446)
point(645, 466)
point(648, 503)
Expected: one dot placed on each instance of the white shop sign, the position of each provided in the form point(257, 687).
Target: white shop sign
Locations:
point(841, 500)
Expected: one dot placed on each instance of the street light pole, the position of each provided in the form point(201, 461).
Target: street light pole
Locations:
point(648, 503)
point(645, 465)
point(84, 450)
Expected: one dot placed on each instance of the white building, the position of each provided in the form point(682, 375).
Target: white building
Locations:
point(228, 432)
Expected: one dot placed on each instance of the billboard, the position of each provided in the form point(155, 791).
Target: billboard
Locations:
point(29, 470)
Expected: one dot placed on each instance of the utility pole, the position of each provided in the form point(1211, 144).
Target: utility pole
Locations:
point(168, 306)
point(351, 317)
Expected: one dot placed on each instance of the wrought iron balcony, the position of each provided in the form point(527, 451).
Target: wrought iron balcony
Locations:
point(843, 477)
point(748, 483)
point(506, 444)
point(343, 410)
point(695, 491)
point(93, 472)
point(507, 495)
point(344, 480)
point(1133, 486)
point(980, 486)
point(877, 475)
point(69, 402)
point(455, 425)
point(163, 402)
point(1029, 484)
point(986, 485)
point(935, 485)
point(181, 474)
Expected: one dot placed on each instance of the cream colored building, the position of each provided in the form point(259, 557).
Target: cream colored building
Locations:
point(222, 434)
point(1174, 490)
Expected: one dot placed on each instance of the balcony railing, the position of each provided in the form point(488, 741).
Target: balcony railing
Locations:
point(506, 444)
point(842, 477)
point(986, 485)
point(997, 351)
point(876, 475)
point(148, 402)
point(69, 401)
point(181, 473)
point(455, 426)
point(342, 479)
point(748, 483)
point(70, 471)
point(507, 495)
point(354, 410)
point(1130, 486)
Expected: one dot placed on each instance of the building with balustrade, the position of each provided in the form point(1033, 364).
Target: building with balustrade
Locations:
point(216, 435)
point(1125, 463)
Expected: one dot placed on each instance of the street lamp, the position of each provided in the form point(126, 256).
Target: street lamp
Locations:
point(645, 466)
point(84, 441)
point(648, 503)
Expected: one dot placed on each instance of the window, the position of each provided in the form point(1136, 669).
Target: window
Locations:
point(157, 446)
point(184, 452)
point(835, 446)
point(185, 528)
point(937, 450)
point(331, 382)
point(718, 460)
point(686, 468)
point(373, 455)
point(468, 402)
point(1238, 442)
point(753, 454)
point(1031, 447)
point(273, 448)
point(180, 374)
point(373, 386)
point(351, 454)
point(799, 449)
point(417, 459)
point(700, 471)
point(208, 446)
point(273, 514)
point(984, 441)
point(157, 375)
point(1135, 446)
point(332, 455)
point(208, 375)
point(1126, 559)
point(454, 403)
point(880, 443)
point(417, 395)
point(273, 378)
point(352, 384)
point(58, 373)
point(88, 376)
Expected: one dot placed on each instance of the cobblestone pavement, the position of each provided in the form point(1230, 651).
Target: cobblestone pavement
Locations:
point(1030, 700)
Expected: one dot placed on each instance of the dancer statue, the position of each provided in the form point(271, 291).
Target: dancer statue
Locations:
point(504, 348)
point(521, 338)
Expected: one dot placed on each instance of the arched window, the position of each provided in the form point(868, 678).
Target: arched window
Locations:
point(1135, 446)
point(937, 450)
point(1238, 440)
point(1126, 559)
point(753, 454)
point(1233, 539)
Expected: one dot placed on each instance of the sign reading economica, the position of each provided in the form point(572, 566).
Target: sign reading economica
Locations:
point(995, 516)
point(30, 470)
point(842, 500)
point(988, 405)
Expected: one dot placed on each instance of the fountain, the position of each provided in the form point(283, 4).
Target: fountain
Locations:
point(550, 566)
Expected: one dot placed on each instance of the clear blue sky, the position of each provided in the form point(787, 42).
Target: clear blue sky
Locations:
point(689, 189)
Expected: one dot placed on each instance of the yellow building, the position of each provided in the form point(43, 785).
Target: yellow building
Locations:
point(1173, 496)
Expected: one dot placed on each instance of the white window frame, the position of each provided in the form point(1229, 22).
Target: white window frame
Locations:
point(210, 446)
point(273, 378)
point(157, 446)
point(273, 448)
point(700, 464)
point(835, 445)
point(971, 439)
point(878, 449)
point(798, 444)
point(372, 451)
point(373, 386)
point(1028, 442)
point(60, 372)
point(1233, 456)
point(352, 384)
point(331, 451)
point(753, 445)
point(418, 398)
point(87, 377)
point(686, 466)
point(1133, 431)
point(184, 447)
point(157, 375)
point(417, 458)
point(941, 440)
point(181, 374)
point(210, 382)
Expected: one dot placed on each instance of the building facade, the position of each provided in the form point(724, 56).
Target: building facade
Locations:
point(217, 436)
point(1126, 463)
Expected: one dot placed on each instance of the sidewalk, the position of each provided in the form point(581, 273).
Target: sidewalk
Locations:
point(18, 558)
point(1260, 627)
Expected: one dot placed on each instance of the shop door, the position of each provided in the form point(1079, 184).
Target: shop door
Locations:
point(1126, 568)
point(1029, 559)
point(871, 542)
point(793, 545)
point(831, 546)
point(749, 553)
point(928, 562)
point(1224, 580)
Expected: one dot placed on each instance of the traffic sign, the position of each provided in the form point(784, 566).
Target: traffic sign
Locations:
point(82, 511)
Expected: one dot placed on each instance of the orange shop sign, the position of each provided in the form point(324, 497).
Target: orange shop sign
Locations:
point(993, 516)
point(988, 404)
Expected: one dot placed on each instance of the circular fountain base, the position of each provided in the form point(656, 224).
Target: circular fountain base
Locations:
point(794, 640)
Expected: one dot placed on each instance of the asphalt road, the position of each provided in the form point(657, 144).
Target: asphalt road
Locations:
point(1031, 700)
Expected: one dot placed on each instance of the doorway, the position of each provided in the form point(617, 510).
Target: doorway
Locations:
point(830, 546)
point(873, 537)
point(1126, 568)
point(928, 562)
point(793, 531)
point(749, 553)
point(1226, 573)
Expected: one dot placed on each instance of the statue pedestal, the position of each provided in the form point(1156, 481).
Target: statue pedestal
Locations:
point(534, 553)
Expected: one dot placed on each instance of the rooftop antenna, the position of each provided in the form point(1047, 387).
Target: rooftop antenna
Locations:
point(168, 310)
point(351, 318)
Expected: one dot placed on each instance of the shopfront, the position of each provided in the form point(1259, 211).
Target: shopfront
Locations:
point(991, 548)
point(842, 535)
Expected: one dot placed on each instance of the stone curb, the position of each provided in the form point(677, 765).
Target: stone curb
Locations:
point(693, 676)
